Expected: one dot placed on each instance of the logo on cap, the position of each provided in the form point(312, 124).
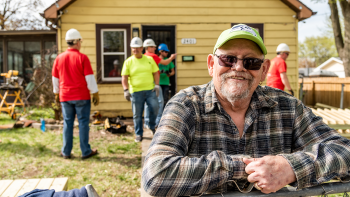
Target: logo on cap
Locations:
point(243, 28)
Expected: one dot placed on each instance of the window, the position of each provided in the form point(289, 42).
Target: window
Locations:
point(258, 26)
point(112, 50)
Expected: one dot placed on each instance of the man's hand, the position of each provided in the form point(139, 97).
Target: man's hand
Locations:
point(57, 98)
point(291, 92)
point(127, 95)
point(95, 98)
point(270, 173)
point(172, 56)
point(156, 88)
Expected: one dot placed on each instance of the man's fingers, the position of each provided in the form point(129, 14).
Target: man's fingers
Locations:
point(248, 161)
point(252, 178)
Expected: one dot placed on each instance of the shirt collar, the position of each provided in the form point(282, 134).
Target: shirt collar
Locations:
point(259, 99)
point(69, 49)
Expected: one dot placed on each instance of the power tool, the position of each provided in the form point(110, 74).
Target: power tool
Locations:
point(97, 117)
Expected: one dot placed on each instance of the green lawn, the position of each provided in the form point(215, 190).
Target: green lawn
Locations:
point(30, 153)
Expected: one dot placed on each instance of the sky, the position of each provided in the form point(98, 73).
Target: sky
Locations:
point(307, 28)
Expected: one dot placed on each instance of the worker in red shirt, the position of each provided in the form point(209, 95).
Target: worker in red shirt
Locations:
point(150, 48)
point(116, 71)
point(73, 82)
point(277, 75)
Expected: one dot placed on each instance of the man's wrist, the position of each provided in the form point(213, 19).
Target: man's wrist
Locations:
point(126, 90)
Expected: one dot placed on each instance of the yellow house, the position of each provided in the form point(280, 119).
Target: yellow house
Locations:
point(189, 27)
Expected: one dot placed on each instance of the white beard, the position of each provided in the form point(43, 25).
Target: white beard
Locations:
point(233, 91)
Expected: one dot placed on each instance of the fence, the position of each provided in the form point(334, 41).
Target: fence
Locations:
point(326, 90)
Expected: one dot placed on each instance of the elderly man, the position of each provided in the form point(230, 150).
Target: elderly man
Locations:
point(232, 130)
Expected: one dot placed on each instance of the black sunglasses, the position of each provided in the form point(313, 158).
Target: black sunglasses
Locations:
point(248, 63)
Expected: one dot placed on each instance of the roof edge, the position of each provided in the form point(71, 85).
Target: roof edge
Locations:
point(327, 62)
point(303, 12)
point(52, 10)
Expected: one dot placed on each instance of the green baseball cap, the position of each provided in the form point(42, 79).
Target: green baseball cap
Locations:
point(240, 31)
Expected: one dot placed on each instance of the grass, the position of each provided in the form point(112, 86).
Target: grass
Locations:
point(37, 113)
point(30, 153)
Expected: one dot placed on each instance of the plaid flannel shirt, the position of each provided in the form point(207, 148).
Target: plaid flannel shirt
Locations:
point(197, 147)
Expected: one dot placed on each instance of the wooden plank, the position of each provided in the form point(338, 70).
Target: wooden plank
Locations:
point(28, 186)
point(193, 73)
point(4, 184)
point(332, 119)
point(181, 4)
point(72, 18)
point(193, 81)
point(45, 183)
point(14, 188)
point(59, 184)
point(112, 106)
point(339, 115)
point(140, 11)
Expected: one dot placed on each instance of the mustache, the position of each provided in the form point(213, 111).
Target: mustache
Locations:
point(237, 74)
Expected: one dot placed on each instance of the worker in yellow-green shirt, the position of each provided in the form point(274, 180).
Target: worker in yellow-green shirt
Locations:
point(140, 80)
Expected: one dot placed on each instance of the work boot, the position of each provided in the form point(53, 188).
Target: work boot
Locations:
point(138, 138)
point(91, 191)
point(93, 152)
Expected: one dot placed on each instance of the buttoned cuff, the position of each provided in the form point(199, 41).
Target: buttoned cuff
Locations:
point(304, 170)
point(238, 167)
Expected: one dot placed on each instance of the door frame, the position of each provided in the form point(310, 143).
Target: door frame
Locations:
point(172, 29)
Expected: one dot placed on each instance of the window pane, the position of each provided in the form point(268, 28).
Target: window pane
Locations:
point(112, 65)
point(33, 47)
point(50, 53)
point(15, 46)
point(15, 56)
point(49, 45)
point(113, 41)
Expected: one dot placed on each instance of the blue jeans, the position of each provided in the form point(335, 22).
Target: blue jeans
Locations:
point(160, 110)
point(82, 109)
point(165, 90)
point(138, 100)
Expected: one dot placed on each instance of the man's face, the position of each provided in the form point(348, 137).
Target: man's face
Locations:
point(284, 55)
point(136, 51)
point(151, 49)
point(115, 66)
point(237, 83)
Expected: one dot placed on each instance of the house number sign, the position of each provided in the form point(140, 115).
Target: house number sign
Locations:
point(188, 41)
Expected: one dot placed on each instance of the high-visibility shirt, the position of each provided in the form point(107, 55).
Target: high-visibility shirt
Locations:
point(72, 76)
point(140, 72)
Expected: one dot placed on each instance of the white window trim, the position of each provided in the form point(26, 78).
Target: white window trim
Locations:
point(114, 79)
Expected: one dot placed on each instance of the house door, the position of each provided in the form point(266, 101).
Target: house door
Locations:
point(163, 34)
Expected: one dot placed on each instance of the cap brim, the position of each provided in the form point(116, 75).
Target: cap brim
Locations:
point(244, 36)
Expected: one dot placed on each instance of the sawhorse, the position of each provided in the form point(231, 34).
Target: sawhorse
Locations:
point(10, 107)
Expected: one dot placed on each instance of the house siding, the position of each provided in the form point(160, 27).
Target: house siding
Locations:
point(203, 20)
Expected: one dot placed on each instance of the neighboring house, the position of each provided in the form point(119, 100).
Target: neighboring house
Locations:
point(305, 72)
point(190, 28)
point(333, 64)
point(23, 50)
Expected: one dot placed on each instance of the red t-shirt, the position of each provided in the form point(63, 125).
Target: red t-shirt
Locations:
point(155, 57)
point(70, 68)
point(113, 73)
point(278, 66)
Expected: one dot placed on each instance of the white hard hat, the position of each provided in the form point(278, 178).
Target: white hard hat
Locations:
point(116, 62)
point(136, 42)
point(149, 43)
point(282, 47)
point(73, 34)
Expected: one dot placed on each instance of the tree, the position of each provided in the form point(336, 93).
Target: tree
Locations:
point(18, 14)
point(317, 49)
point(342, 43)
